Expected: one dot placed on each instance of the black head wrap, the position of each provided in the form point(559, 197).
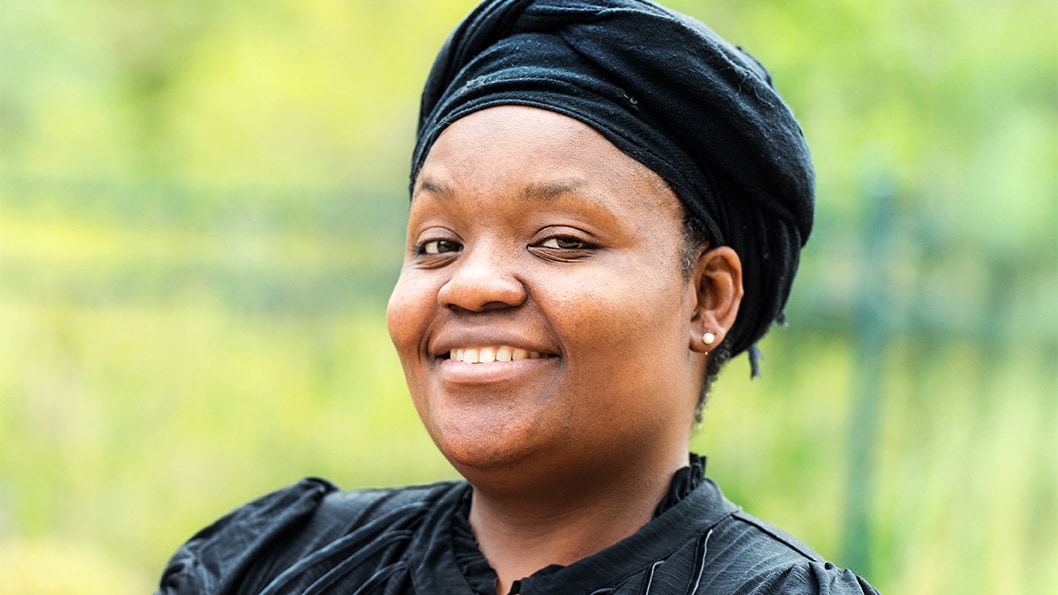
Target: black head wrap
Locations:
point(667, 91)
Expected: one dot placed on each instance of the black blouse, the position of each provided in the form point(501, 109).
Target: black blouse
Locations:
point(311, 538)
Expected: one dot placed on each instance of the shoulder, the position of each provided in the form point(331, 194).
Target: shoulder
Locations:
point(703, 544)
point(264, 536)
point(216, 553)
point(748, 556)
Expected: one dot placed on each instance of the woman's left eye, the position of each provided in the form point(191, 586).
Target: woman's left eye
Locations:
point(565, 243)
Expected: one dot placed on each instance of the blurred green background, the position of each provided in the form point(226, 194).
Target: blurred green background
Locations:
point(201, 215)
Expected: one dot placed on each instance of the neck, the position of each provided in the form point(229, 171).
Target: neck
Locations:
point(520, 532)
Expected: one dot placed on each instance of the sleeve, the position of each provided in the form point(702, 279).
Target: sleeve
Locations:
point(812, 578)
point(213, 561)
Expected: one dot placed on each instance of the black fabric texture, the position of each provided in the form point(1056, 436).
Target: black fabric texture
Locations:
point(685, 481)
point(311, 539)
point(667, 91)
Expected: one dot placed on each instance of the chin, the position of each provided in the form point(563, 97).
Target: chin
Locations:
point(488, 450)
point(475, 460)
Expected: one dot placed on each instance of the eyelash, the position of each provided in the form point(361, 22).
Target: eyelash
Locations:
point(423, 248)
point(581, 245)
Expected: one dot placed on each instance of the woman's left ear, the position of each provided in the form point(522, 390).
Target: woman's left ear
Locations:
point(717, 278)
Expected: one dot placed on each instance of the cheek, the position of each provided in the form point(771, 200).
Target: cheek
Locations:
point(407, 315)
point(622, 311)
point(627, 358)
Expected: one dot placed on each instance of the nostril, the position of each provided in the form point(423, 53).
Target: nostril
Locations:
point(483, 299)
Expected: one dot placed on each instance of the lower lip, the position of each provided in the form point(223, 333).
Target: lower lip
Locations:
point(456, 372)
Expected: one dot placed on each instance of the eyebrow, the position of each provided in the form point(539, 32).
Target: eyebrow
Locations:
point(534, 192)
point(549, 191)
point(433, 187)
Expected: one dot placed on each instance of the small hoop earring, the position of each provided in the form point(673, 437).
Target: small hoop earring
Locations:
point(708, 338)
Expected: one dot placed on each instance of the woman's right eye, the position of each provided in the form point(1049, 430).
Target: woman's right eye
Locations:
point(435, 247)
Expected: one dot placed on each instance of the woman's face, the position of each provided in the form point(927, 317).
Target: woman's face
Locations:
point(541, 316)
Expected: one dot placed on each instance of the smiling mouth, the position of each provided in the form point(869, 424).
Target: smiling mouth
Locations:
point(488, 355)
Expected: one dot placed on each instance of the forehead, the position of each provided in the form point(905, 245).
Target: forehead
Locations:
point(541, 157)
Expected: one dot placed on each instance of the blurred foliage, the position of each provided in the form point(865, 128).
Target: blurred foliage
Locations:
point(201, 215)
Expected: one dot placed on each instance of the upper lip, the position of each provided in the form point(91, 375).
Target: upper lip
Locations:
point(447, 340)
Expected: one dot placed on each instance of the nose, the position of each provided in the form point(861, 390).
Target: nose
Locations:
point(483, 279)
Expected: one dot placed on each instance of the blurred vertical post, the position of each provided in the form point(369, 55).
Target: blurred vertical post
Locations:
point(871, 326)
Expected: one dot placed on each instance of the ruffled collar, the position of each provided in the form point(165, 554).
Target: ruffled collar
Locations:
point(482, 578)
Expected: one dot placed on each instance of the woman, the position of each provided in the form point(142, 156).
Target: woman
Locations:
point(608, 201)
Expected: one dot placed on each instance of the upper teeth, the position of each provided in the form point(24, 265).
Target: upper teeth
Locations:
point(487, 355)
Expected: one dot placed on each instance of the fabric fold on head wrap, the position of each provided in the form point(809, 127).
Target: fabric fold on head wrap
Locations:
point(667, 91)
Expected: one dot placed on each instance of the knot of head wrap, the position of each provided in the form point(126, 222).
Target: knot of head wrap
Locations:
point(667, 91)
